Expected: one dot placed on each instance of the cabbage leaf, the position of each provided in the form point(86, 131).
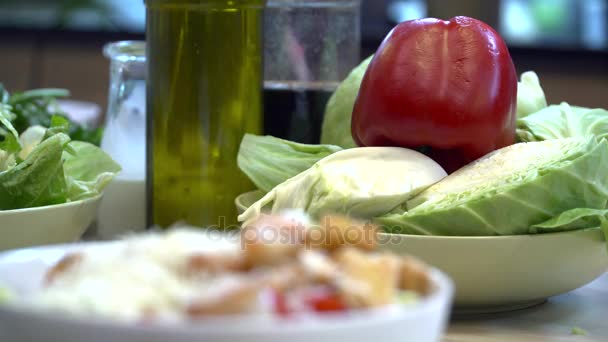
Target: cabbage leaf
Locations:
point(269, 161)
point(563, 121)
point(530, 95)
point(363, 182)
point(339, 109)
point(510, 190)
point(575, 219)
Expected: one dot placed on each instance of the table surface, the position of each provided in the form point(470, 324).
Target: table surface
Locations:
point(585, 308)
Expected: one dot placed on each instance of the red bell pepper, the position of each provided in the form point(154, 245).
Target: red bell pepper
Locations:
point(445, 88)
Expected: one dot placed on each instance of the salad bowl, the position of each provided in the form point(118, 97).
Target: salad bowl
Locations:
point(501, 273)
point(422, 320)
point(58, 223)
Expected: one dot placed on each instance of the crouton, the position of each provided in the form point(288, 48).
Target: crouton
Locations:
point(63, 265)
point(236, 300)
point(271, 240)
point(335, 231)
point(366, 280)
point(414, 276)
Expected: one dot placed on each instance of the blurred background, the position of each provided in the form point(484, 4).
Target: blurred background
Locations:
point(57, 43)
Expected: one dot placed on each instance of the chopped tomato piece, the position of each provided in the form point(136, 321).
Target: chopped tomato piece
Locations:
point(326, 302)
point(280, 304)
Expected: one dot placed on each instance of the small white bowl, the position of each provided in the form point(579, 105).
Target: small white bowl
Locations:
point(52, 224)
point(501, 273)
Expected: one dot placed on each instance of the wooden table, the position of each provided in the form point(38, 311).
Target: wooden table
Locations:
point(585, 308)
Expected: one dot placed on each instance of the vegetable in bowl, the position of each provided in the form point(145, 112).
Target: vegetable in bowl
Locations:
point(363, 182)
point(548, 179)
point(499, 216)
point(44, 166)
point(447, 88)
point(37, 107)
point(509, 191)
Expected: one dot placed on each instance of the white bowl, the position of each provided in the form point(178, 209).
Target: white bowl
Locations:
point(59, 223)
point(501, 273)
point(245, 200)
point(22, 271)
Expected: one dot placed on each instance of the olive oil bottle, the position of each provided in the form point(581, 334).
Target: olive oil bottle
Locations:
point(204, 91)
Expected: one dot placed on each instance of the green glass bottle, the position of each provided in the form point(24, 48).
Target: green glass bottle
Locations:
point(204, 91)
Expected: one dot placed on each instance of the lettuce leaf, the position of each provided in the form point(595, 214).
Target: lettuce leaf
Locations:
point(563, 121)
point(5, 120)
point(88, 169)
point(7, 160)
point(39, 179)
point(269, 161)
point(29, 139)
point(42, 167)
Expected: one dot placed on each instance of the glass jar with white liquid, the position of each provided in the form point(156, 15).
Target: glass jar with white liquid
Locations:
point(123, 207)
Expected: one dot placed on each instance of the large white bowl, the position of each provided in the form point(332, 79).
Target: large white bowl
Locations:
point(500, 273)
point(22, 271)
point(52, 224)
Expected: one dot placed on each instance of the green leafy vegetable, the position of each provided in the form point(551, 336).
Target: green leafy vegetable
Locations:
point(6, 295)
point(269, 161)
point(362, 182)
point(530, 95)
point(88, 169)
point(36, 94)
point(29, 139)
point(59, 124)
point(337, 118)
point(563, 121)
point(37, 107)
point(38, 180)
point(573, 219)
point(7, 160)
point(42, 167)
point(510, 190)
point(6, 116)
point(10, 144)
point(578, 331)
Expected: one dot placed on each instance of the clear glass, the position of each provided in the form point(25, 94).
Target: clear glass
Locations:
point(123, 207)
point(204, 92)
point(309, 47)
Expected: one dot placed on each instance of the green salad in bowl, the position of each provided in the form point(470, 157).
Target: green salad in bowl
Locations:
point(50, 183)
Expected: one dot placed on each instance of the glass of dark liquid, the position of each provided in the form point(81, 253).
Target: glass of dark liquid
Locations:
point(309, 47)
